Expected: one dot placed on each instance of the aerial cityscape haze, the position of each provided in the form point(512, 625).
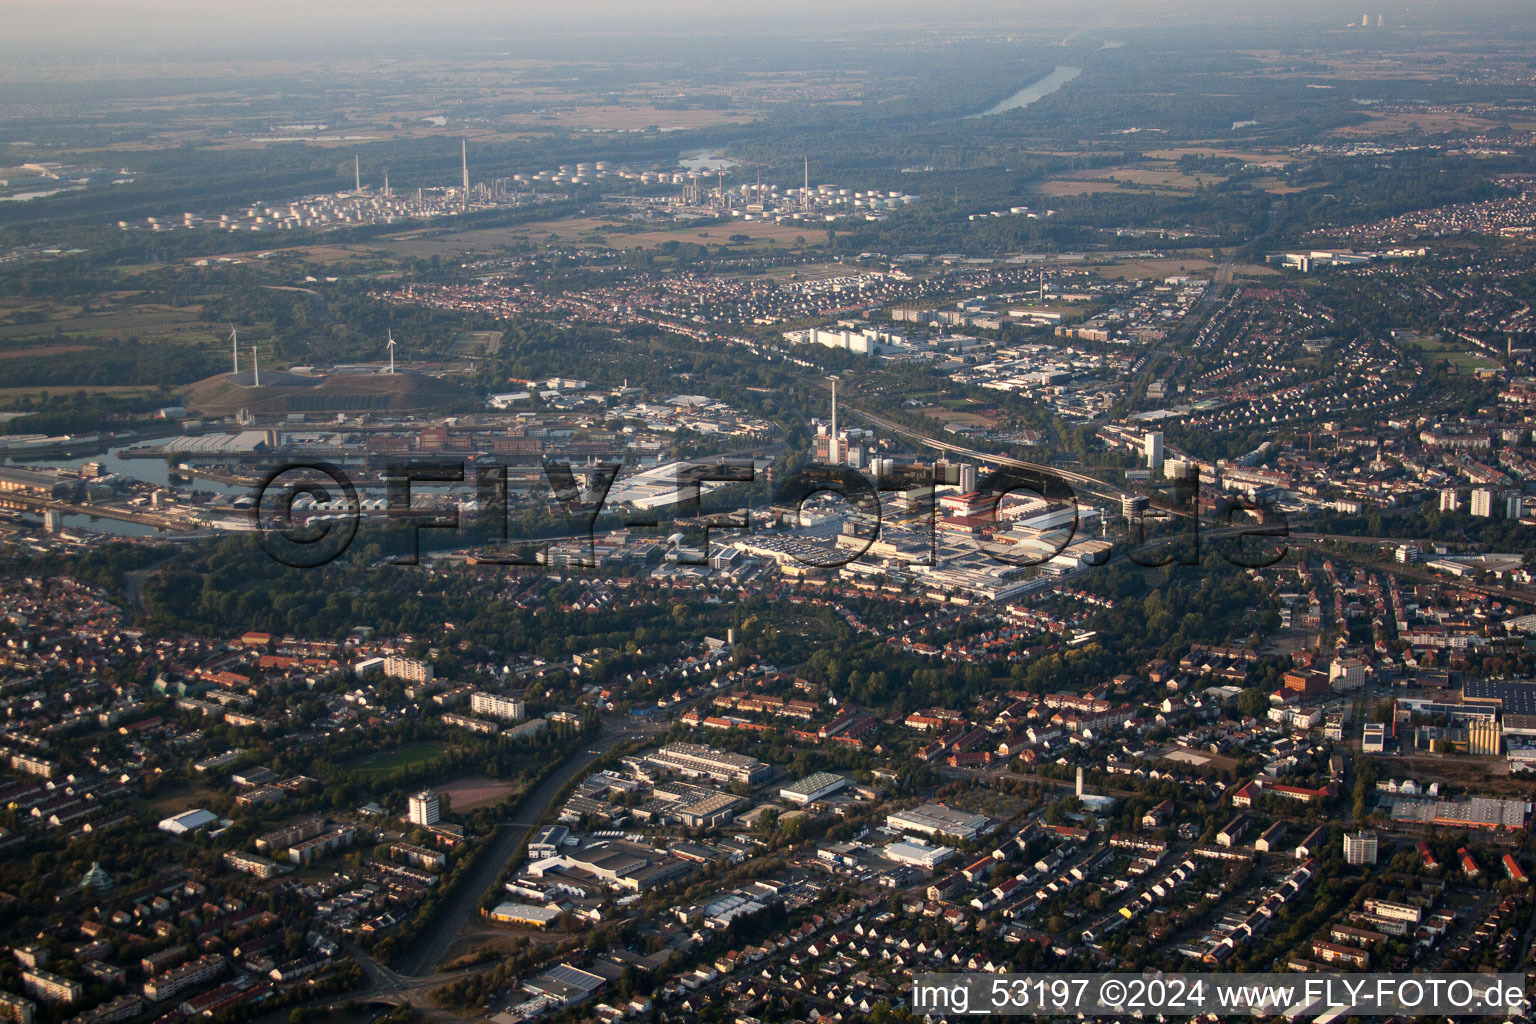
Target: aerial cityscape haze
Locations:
point(849, 512)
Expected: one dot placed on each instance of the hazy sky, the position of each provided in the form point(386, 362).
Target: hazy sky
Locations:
point(188, 19)
point(221, 23)
point(99, 28)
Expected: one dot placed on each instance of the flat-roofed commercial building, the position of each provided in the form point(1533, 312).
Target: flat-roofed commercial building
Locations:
point(708, 811)
point(812, 787)
point(1512, 697)
point(696, 760)
point(933, 819)
point(524, 915)
point(547, 842)
point(1477, 812)
point(916, 853)
point(565, 985)
point(32, 483)
point(618, 864)
point(1519, 725)
point(1374, 738)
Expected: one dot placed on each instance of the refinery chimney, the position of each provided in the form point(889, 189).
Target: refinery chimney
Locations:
point(832, 441)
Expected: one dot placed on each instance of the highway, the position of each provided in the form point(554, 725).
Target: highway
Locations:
point(1093, 484)
point(1209, 530)
point(155, 519)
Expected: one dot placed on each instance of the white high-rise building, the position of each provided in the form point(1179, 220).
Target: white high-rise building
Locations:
point(1482, 503)
point(1346, 674)
point(967, 478)
point(1153, 447)
point(495, 705)
point(409, 669)
point(1360, 847)
point(424, 808)
point(1450, 500)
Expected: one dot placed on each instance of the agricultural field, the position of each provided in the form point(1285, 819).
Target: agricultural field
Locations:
point(590, 230)
point(1431, 122)
point(1061, 187)
point(8, 395)
point(1161, 177)
point(626, 118)
point(71, 324)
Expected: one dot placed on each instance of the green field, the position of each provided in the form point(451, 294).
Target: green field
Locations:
point(387, 762)
point(1465, 361)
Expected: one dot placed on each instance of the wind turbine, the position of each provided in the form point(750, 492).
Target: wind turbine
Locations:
point(391, 347)
point(234, 344)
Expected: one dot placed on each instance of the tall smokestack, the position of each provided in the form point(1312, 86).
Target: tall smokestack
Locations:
point(464, 153)
point(256, 363)
point(832, 446)
point(357, 174)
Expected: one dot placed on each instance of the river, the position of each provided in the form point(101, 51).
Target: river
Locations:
point(1030, 93)
point(150, 471)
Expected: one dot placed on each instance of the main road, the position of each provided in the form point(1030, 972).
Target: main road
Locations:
point(451, 919)
point(1092, 483)
point(1212, 530)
